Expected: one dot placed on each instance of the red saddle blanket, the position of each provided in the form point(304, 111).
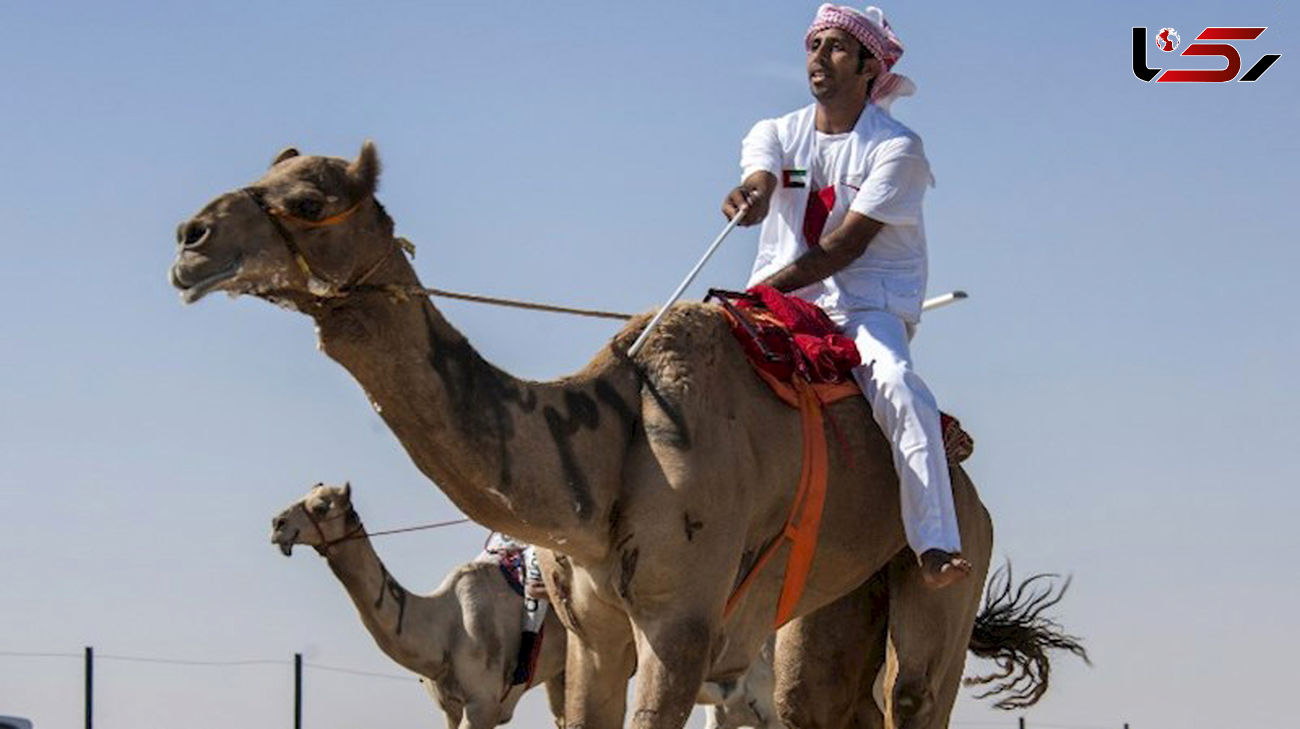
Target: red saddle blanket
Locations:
point(791, 336)
point(785, 335)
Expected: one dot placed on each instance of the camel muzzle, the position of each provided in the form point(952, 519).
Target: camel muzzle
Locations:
point(281, 538)
point(191, 291)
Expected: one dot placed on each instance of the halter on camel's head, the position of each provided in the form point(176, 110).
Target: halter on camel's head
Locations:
point(310, 230)
point(321, 519)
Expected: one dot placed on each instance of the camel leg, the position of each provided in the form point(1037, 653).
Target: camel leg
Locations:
point(959, 605)
point(672, 657)
point(599, 660)
point(826, 661)
point(930, 629)
point(481, 715)
point(555, 698)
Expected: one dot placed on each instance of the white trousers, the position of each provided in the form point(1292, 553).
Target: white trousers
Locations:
point(908, 414)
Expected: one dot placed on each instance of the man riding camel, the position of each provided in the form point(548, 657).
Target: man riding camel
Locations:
point(838, 187)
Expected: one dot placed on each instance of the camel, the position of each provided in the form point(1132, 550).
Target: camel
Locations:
point(753, 706)
point(654, 480)
point(462, 639)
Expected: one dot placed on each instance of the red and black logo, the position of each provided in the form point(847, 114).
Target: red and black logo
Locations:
point(1167, 40)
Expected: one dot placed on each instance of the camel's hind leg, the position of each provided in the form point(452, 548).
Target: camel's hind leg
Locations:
point(929, 630)
point(825, 659)
point(555, 699)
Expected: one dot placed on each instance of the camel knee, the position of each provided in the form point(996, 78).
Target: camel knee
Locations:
point(797, 708)
point(794, 709)
point(912, 701)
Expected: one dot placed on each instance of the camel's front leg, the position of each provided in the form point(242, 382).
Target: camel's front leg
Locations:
point(599, 654)
point(596, 670)
point(673, 654)
point(481, 715)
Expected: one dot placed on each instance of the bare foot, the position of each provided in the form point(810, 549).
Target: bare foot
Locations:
point(940, 569)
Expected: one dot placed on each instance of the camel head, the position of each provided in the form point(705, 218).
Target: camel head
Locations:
point(308, 228)
point(321, 518)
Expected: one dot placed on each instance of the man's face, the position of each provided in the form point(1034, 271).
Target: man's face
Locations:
point(833, 65)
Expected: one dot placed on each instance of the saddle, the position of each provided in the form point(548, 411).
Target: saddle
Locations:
point(798, 351)
point(518, 564)
point(786, 337)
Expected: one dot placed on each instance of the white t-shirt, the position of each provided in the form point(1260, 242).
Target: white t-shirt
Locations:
point(879, 170)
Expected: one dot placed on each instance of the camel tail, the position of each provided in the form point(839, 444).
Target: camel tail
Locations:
point(1012, 631)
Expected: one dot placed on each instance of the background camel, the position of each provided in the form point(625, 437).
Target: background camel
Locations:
point(463, 638)
point(658, 479)
point(756, 710)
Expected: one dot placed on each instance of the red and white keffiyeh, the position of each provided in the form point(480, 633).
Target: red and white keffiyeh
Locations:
point(871, 29)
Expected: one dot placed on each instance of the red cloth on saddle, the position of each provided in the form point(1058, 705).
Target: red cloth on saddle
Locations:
point(804, 338)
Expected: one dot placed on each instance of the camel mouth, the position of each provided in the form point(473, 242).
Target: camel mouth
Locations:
point(192, 292)
point(284, 541)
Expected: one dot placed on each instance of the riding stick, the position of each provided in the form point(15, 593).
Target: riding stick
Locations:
point(645, 334)
point(943, 300)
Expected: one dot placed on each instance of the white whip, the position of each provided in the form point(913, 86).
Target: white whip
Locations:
point(645, 334)
point(951, 297)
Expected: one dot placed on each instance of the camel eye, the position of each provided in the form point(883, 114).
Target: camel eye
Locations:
point(320, 508)
point(305, 207)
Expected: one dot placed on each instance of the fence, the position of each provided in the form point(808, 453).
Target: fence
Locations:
point(89, 658)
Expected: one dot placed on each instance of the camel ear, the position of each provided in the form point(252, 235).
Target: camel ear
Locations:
point(286, 153)
point(365, 168)
point(347, 491)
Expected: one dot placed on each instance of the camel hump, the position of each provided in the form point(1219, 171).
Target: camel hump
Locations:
point(687, 330)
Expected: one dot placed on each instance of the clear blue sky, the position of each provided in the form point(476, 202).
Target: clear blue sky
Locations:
point(1126, 362)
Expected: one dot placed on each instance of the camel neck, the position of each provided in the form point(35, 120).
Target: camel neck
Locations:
point(531, 459)
point(409, 628)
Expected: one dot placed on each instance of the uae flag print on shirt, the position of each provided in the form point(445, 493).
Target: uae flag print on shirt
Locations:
point(794, 178)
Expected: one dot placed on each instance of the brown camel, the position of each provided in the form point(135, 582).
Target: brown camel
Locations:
point(659, 478)
point(463, 638)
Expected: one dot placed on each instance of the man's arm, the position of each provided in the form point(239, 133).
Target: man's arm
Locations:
point(760, 163)
point(836, 251)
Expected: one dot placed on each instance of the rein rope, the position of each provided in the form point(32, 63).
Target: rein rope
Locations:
point(386, 532)
point(359, 531)
point(324, 287)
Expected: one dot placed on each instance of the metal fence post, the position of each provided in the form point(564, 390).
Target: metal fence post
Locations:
point(297, 691)
point(90, 685)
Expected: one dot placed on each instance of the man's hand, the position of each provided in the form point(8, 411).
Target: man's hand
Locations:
point(756, 190)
